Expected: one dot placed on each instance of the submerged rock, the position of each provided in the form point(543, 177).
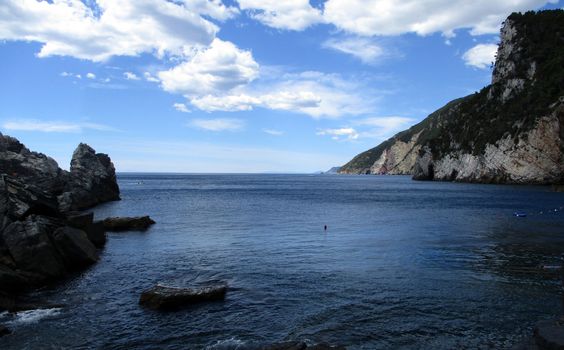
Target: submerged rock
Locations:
point(166, 298)
point(139, 223)
point(549, 334)
point(4, 331)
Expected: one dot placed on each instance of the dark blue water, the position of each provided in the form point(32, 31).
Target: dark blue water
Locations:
point(403, 265)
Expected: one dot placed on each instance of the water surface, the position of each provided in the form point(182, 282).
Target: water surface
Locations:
point(403, 264)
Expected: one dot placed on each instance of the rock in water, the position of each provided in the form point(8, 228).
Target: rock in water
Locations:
point(549, 334)
point(40, 238)
point(92, 180)
point(166, 298)
point(4, 331)
point(139, 223)
point(75, 247)
point(512, 131)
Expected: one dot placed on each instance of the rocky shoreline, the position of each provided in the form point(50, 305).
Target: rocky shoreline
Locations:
point(43, 236)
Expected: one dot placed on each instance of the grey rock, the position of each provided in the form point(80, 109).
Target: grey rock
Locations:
point(94, 230)
point(166, 298)
point(139, 223)
point(75, 247)
point(11, 281)
point(31, 248)
point(92, 180)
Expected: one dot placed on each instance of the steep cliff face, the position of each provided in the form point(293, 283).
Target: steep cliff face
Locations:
point(512, 131)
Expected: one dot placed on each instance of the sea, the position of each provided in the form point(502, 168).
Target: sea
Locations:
point(402, 265)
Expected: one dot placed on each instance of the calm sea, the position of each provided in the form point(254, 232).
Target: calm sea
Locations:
point(403, 264)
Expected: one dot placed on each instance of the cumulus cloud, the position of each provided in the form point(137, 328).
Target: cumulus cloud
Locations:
point(52, 126)
point(219, 124)
point(220, 67)
point(391, 17)
point(480, 56)
point(181, 107)
point(130, 76)
point(91, 75)
point(348, 134)
point(287, 14)
point(111, 27)
point(364, 49)
point(315, 94)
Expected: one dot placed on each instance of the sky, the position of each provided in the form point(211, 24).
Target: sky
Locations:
point(237, 86)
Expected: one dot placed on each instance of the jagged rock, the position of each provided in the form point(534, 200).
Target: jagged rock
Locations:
point(31, 248)
point(165, 298)
point(75, 247)
point(94, 230)
point(139, 223)
point(92, 180)
point(4, 331)
point(512, 131)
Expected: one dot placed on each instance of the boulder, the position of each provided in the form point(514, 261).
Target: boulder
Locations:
point(75, 247)
point(31, 248)
point(166, 298)
point(4, 331)
point(11, 281)
point(94, 230)
point(92, 180)
point(549, 334)
point(140, 223)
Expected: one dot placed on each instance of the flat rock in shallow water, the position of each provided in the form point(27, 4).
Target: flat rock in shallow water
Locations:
point(166, 298)
point(139, 223)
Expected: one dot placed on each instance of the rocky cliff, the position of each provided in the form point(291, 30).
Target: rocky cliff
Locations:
point(512, 131)
point(41, 238)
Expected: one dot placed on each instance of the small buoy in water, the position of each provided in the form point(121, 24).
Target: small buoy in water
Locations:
point(519, 214)
point(325, 227)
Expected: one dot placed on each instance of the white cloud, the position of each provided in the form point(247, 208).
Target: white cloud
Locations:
point(150, 78)
point(391, 17)
point(287, 14)
point(381, 128)
point(181, 107)
point(362, 48)
point(66, 74)
point(221, 67)
point(376, 128)
point(220, 124)
point(312, 93)
point(111, 27)
point(91, 75)
point(348, 134)
point(52, 126)
point(273, 132)
point(480, 56)
point(130, 76)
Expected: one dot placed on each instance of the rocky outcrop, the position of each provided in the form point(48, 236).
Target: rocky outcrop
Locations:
point(512, 131)
point(92, 180)
point(139, 223)
point(40, 239)
point(166, 298)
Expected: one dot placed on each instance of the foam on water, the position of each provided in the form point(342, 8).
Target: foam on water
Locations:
point(34, 316)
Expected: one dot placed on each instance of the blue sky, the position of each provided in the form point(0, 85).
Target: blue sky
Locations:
point(237, 86)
